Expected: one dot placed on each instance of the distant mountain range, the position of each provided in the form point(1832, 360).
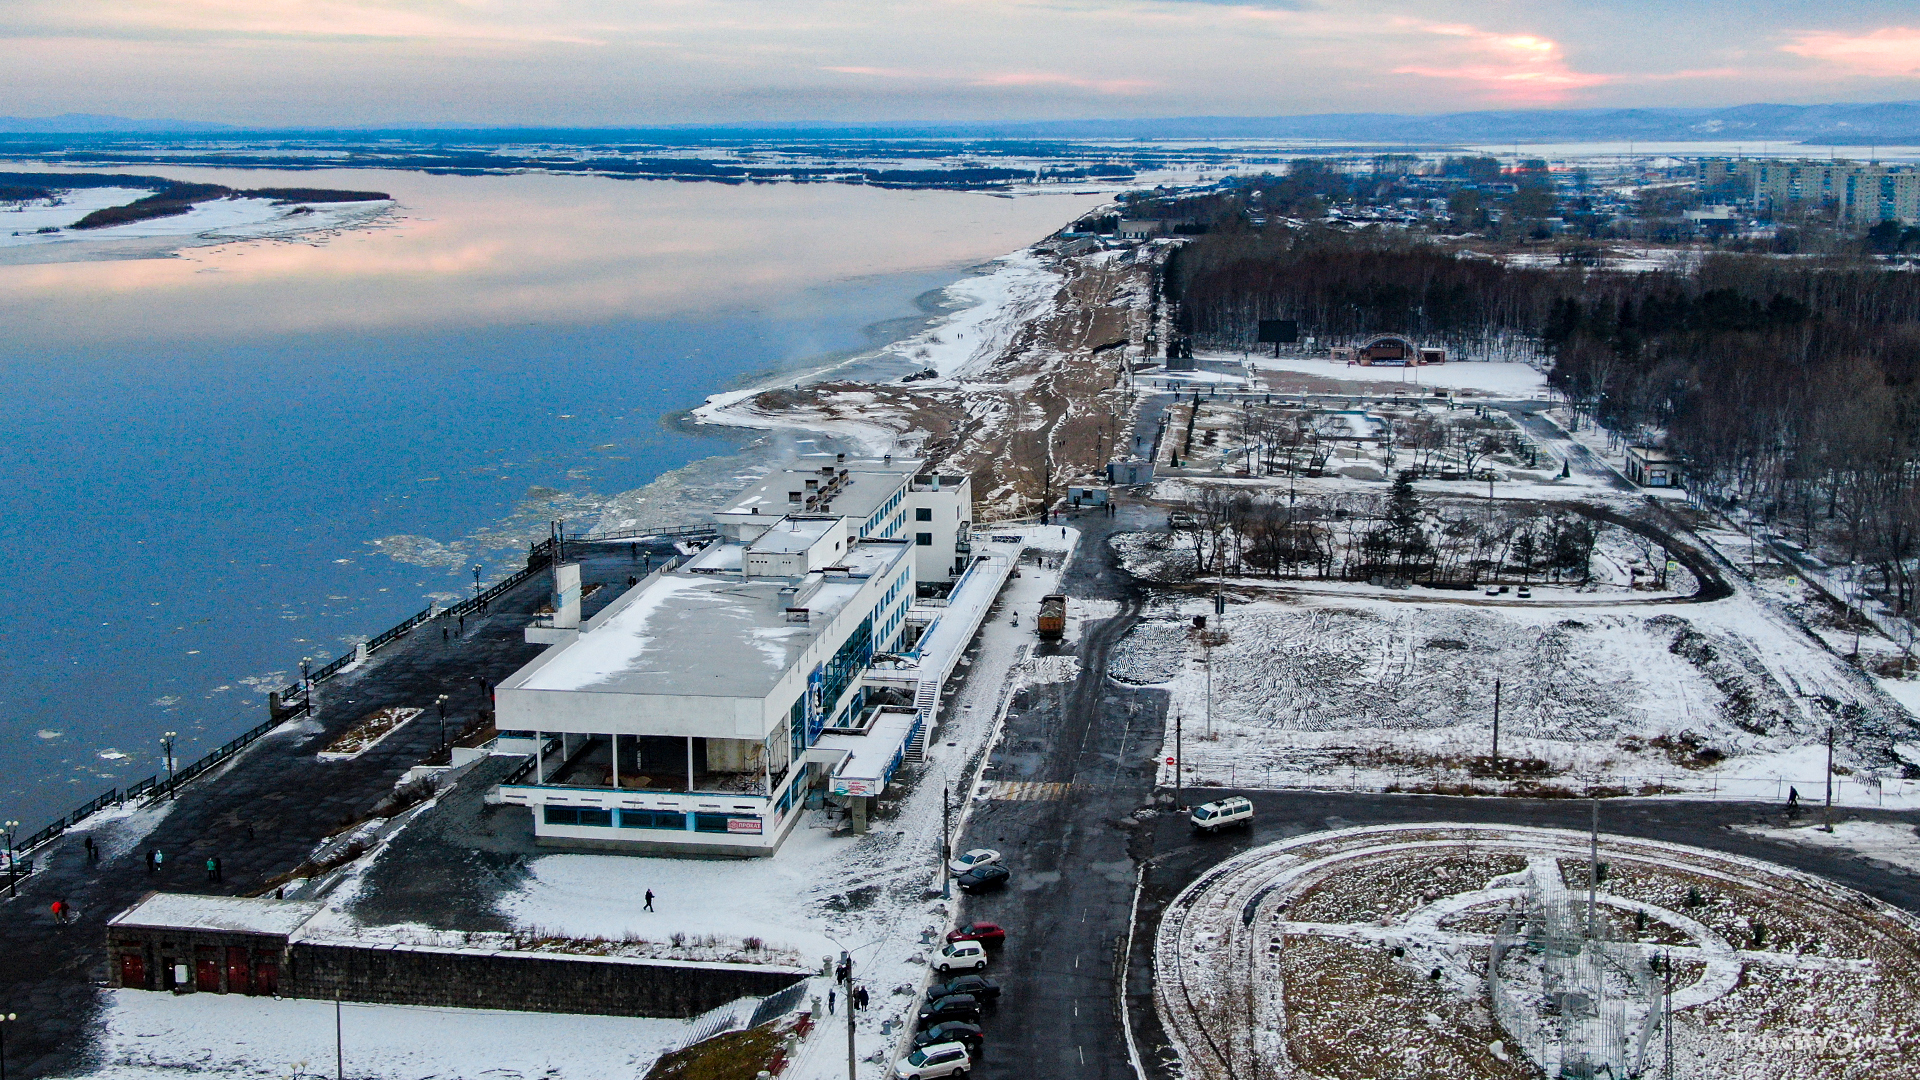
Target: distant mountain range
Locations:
point(1845, 124)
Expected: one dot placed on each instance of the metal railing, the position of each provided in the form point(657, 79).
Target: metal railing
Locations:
point(539, 557)
point(683, 532)
point(109, 797)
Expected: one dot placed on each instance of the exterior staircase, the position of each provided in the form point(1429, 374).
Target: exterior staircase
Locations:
point(926, 702)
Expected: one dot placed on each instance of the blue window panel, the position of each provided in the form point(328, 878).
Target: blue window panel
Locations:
point(653, 819)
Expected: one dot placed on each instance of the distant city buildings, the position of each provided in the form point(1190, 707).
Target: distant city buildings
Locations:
point(1858, 192)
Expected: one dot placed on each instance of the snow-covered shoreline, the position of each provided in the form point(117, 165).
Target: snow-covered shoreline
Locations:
point(215, 221)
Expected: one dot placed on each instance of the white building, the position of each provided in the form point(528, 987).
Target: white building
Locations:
point(696, 712)
point(883, 499)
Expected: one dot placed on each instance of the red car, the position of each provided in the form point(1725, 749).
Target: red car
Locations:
point(985, 933)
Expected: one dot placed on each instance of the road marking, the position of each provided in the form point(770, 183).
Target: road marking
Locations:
point(1027, 791)
point(1083, 1054)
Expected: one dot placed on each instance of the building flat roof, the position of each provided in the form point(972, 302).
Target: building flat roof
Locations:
point(224, 914)
point(703, 634)
point(793, 534)
point(869, 483)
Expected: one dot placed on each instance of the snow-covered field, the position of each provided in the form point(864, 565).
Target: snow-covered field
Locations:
point(163, 1035)
point(1724, 699)
point(1502, 379)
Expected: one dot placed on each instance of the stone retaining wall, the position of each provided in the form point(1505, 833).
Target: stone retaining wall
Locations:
point(527, 982)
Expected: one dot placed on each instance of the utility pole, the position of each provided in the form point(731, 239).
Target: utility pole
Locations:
point(339, 1054)
point(1666, 1021)
point(846, 961)
point(1496, 723)
point(1827, 825)
point(1177, 762)
point(1207, 661)
point(1593, 867)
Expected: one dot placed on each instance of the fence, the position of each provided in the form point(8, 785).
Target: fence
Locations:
point(539, 556)
point(60, 825)
point(775, 1006)
point(1855, 790)
point(682, 532)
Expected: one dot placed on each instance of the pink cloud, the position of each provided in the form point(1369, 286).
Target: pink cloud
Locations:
point(1522, 68)
point(1889, 52)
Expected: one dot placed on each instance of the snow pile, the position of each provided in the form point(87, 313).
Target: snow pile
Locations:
point(1510, 379)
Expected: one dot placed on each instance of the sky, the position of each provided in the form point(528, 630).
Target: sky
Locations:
point(637, 62)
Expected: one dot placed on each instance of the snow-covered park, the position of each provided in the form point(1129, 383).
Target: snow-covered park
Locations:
point(1495, 952)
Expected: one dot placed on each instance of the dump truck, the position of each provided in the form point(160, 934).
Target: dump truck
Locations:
point(1053, 616)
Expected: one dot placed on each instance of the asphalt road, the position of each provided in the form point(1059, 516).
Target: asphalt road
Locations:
point(1075, 857)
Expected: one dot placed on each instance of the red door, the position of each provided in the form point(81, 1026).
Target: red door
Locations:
point(133, 971)
point(266, 978)
point(206, 974)
point(237, 967)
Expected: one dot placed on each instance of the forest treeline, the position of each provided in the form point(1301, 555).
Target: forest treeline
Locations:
point(1788, 383)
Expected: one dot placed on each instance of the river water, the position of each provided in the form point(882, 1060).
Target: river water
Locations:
point(219, 462)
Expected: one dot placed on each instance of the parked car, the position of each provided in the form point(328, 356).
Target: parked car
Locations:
point(981, 988)
point(1492, 591)
point(984, 878)
point(1525, 593)
point(986, 933)
point(967, 860)
point(953, 1007)
point(961, 956)
point(1213, 816)
point(967, 1035)
point(1180, 519)
point(940, 1059)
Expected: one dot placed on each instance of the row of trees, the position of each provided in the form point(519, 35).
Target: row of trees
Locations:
point(1356, 537)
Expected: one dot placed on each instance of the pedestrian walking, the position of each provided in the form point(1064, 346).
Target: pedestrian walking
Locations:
point(463, 626)
point(92, 852)
point(249, 832)
point(860, 997)
point(829, 1001)
point(212, 869)
point(649, 906)
point(445, 634)
point(56, 913)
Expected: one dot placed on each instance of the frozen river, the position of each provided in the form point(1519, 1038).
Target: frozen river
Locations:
point(220, 461)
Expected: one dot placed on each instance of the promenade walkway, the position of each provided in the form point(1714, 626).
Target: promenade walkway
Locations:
point(261, 814)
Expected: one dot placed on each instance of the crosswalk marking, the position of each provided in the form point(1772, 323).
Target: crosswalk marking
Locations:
point(1027, 790)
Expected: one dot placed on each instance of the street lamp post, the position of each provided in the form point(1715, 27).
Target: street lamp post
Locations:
point(166, 742)
point(476, 579)
point(441, 702)
point(5, 1019)
point(946, 843)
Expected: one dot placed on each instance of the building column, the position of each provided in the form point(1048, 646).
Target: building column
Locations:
point(689, 764)
point(539, 757)
point(616, 759)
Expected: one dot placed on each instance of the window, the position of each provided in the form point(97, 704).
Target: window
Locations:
point(653, 819)
point(577, 815)
point(726, 823)
point(923, 513)
point(923, 539)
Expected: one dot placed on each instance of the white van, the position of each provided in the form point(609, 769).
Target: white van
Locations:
point(941, 1059)
point(961, 956)
point(1219, 815)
